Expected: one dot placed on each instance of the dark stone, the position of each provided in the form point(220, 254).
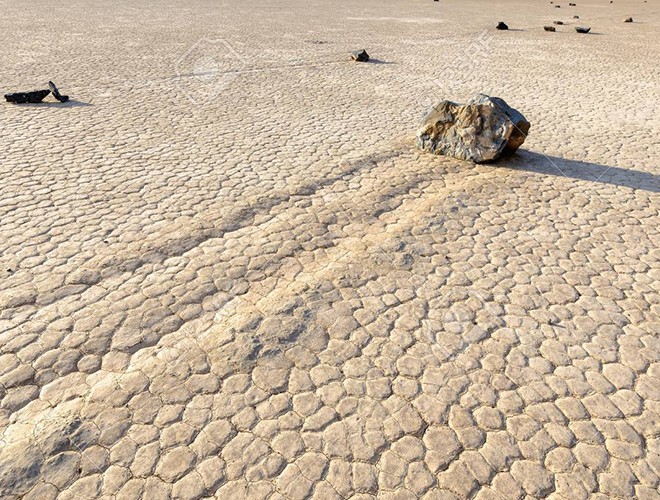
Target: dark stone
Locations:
point(482, 130)
point(576, 17)
point(582, 29)
point(557, 6)
point(56, 93)
point(501, 26)
point(558, 23)
point(549, 28)
point(628, 20)
point(27, 97)
point(360, 55)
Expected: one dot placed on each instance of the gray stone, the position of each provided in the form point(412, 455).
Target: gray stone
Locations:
point(484, 129)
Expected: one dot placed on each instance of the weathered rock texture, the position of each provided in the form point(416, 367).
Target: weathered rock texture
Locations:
point(482, 130)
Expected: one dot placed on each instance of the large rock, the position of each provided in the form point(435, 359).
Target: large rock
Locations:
point(482, 130)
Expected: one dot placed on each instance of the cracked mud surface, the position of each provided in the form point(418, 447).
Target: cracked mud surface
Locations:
point(252, 285)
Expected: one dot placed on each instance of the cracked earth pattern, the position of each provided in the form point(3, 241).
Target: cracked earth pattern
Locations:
point(252, 285)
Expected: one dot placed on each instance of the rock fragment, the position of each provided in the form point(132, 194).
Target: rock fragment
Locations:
point(32, 97)
point(360, 55)
point(56, 93)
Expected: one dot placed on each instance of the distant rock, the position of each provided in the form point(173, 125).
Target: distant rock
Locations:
point(628, 20)
point(582, 29)
point(557, 6)
point(576, 17)
point(501, 26)
point(56, 93)
point(482, 130)
point(558, 23)
point(27, 97)
point(360, 55)
point(549, 28)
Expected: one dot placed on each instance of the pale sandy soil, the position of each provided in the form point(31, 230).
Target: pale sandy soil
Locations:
point(250, 284)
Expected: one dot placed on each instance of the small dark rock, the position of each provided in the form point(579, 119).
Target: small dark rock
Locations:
point(582, 29)
point(557, 6)
point(360, 55)
point(628, 20)
point(501, 26)
point(56, 93)
point(549, 28)
point(576, 17)
point(558, 23)
point(32, 97)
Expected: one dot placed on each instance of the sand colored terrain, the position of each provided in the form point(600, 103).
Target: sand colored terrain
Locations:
point(226, 270)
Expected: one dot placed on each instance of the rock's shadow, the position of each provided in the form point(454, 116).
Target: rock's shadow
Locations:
point(573, 169)
point(71, 103)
